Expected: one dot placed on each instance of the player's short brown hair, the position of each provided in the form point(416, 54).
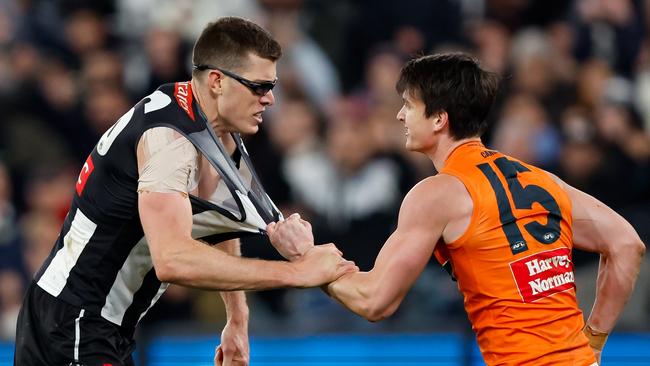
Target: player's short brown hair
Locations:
point(454, 83)
point(227, 42)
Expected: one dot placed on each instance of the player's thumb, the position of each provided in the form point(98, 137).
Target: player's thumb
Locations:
point(218, 357)
point(227, 358)
point(270, 228)
point(347, 267)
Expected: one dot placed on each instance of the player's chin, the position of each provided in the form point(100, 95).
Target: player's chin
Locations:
point(250, 129)
point(410, 146)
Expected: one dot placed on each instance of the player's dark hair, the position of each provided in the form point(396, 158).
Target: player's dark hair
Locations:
point(456, 84)
point(227, 42)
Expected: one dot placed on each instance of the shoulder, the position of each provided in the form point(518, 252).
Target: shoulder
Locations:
point(438, 196)
point(157, 137)
point(556, 179)
point(438, 188)
point(167, 88)
point(167, 97)
point(163, 146)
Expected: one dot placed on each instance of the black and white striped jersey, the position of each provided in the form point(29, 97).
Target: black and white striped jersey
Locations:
point(101, 259)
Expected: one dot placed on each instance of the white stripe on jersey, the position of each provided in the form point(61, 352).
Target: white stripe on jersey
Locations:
point(212, 222)
point(130, 277)
point(161, 290)
point(56, 275)
point(128, 281)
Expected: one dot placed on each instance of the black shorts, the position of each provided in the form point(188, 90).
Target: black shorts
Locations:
point(51, 332)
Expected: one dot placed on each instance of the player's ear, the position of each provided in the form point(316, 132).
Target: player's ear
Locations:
point(440, 120)
point(214, 81)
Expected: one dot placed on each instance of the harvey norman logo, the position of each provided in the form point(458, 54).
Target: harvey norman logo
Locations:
point(543, 274)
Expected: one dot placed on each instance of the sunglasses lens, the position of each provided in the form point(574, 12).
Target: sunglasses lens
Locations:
point(263, 88)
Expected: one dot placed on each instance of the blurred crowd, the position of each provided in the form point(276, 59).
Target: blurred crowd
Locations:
point(575, 100)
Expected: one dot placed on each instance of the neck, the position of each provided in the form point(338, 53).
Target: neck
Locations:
point(441, 152)
point(207, 105)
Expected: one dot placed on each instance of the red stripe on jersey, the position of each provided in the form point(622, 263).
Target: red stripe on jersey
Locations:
point(183, 94)
point(86, 170)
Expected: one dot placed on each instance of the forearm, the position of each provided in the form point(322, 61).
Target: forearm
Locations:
point(357, 292)
point(197, 265)
point(167, 222)
point(375, 295)
point(236, 306)
point(617, 275)
point(235, 301)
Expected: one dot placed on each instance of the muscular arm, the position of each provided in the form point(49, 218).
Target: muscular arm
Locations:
point(166, 164)
point(376, 294)
point(597, 228)
point(234, 348)
point(167, 223)
point(235, 301)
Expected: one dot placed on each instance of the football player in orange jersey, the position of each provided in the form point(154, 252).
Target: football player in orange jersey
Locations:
point(505, 229)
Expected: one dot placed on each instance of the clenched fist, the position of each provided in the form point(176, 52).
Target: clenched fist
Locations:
point(292, 237)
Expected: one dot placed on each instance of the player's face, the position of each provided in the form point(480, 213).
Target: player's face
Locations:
point(419, 130)
point(241, 106)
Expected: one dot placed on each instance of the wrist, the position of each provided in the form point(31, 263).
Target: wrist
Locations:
point(597, 339)
point(294, 257)
point(238, 315)
point(236, 306)
point(328, 288)
point(298, 252)
point(292, 275)
point(240, 319)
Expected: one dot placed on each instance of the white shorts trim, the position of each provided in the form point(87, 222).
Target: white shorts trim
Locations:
point(77, 335)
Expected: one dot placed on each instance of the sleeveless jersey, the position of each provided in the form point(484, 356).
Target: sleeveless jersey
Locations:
point(101, 260)
point(513, 263)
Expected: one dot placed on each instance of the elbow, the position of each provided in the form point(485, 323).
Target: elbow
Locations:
point(169, 261)
point(166, 270)
point(378, 304)
point(641, 248)
point(628, 251)
point(378, 312)
point(374, 316)
point(628, 247)
point(634, 248)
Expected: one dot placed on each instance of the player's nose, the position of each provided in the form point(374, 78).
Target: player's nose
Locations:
point(400, 115)
point(268, 98)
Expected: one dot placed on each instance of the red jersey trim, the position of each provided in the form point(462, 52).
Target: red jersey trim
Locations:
point(184, 97)
point(86, 170)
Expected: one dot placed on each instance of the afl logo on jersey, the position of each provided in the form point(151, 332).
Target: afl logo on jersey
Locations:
point(549, 237)
point(518, 245)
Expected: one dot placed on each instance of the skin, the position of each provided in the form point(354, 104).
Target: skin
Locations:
point(293, 240)
point(376, 294)
point(230, 106)
point(167, 221)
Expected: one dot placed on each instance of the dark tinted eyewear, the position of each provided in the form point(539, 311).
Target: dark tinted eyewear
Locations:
point(258, 88)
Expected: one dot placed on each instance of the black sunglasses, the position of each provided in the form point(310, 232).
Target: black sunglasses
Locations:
point(258, 88)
